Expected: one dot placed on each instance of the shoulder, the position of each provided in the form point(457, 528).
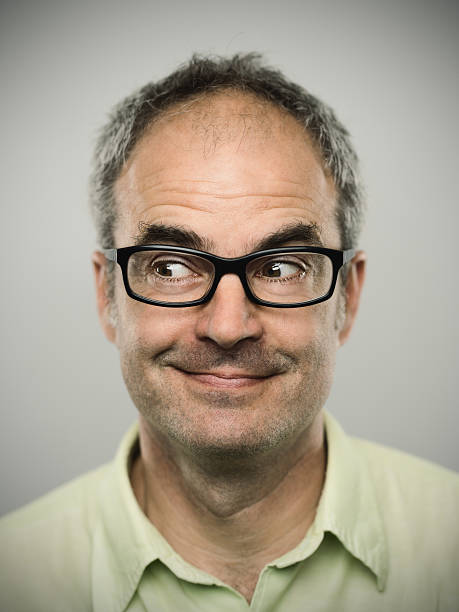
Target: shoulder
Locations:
point(398, 473)
point(72, 506)
point(418, 503)
point(47, 539)
point(67, 498)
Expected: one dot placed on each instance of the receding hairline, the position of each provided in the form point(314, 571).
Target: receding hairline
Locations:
point(223, 92)
point(216, 99)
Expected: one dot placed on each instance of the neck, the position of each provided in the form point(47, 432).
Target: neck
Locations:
point(230, 516)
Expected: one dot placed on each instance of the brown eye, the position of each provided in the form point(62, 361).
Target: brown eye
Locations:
point(280, 269)
point(171, 269)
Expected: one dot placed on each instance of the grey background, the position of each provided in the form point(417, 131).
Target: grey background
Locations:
point(388, 68)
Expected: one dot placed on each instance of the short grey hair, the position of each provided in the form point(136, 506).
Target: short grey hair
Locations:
point(202, 76)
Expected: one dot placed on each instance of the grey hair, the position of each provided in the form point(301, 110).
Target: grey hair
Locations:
point(205, 75)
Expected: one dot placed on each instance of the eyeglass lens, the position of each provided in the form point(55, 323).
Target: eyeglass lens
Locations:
point(284, 278)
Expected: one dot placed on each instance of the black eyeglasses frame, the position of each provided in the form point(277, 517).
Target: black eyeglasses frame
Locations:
point(225, 265)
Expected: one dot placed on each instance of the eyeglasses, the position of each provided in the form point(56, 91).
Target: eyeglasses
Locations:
point(177, 276)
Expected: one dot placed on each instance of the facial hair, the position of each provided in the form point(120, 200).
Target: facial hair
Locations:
point(246, 424)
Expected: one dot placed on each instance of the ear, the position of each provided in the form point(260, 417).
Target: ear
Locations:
point(354, 283)
point(99, 264)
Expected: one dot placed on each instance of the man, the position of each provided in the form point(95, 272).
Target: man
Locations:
point(228, 210)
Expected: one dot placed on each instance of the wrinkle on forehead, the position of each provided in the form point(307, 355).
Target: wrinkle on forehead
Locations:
point(157, 193)
point(257, 208)
point(162, 183)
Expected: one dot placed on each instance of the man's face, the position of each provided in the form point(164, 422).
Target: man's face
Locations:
point(228, 375)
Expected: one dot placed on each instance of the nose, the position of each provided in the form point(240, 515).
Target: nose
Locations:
point(230, 316)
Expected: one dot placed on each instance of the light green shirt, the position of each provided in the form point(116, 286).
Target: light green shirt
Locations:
point(385, 538)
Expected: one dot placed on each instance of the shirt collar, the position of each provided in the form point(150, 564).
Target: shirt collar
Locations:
point(125, 541)
point(348, 508)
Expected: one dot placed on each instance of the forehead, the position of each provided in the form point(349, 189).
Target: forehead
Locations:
point(230, 167)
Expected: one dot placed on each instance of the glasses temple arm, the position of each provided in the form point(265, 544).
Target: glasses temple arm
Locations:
point(110, 254)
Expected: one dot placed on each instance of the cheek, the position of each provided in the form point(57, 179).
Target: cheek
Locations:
point(301, 327)
point(309, 334)
point(153, 327)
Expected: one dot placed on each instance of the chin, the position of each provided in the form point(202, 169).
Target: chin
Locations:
point(231, 432)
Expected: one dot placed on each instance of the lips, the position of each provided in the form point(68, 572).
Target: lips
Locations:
point(226, 378)
point(228, 374)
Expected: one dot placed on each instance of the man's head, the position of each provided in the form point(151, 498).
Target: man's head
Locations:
point(230, 158)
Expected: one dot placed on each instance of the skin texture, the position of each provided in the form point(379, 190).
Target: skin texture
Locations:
point(230, 393)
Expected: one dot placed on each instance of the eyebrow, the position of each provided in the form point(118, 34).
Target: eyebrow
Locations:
point(306, 233)
point(161, 233)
